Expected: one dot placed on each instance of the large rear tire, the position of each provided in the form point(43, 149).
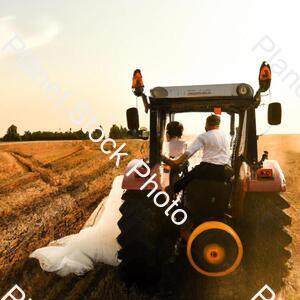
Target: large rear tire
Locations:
point(147, 239)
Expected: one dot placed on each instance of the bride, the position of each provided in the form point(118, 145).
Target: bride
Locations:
point(96, 242)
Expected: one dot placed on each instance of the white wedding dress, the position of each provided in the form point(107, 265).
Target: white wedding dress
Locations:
point(96, 242)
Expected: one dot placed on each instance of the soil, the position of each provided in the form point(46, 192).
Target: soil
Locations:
point(49, 189)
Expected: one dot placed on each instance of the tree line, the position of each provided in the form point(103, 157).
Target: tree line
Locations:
point(115, 132)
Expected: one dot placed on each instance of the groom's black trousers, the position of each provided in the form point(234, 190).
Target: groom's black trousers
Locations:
point(204, 171)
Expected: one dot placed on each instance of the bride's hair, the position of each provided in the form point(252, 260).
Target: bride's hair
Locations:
point(174, 129)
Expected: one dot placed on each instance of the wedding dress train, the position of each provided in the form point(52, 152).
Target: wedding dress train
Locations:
point(96, 242)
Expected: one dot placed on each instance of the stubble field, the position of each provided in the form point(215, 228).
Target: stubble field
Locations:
point(49, 189)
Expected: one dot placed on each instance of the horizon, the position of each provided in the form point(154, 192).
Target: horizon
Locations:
point(58, 65)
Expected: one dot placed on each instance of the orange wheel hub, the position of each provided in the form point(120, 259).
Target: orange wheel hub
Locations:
point(213, 255)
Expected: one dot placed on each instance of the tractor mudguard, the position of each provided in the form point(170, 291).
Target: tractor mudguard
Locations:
point(133, 181)
point(253, 183)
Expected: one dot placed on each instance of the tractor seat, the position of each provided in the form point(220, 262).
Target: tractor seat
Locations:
point(206, 199)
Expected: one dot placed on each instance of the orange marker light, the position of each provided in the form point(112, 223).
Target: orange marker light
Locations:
point(137, 83)
point(265, 76)
point(137, 80)
point(265, 73)
point(218, 110)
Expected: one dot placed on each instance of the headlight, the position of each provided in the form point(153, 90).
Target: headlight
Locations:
point(243, 90)
point(159, 92)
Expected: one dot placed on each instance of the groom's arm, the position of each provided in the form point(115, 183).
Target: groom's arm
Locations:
point(196, 145)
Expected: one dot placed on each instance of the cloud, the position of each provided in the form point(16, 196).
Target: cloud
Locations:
point(33, 34)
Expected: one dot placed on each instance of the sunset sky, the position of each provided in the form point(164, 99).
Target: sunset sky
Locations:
point(87, 50)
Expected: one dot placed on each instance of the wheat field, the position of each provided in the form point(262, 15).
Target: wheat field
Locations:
point(49, 190)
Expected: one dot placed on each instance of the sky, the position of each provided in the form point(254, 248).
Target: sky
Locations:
point(61, 57)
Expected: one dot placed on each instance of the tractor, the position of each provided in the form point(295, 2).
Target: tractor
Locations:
point(215, 209)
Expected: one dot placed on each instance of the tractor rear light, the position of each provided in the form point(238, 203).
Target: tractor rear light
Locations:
point(217, 110)
point(166, 169)
point(264, 173)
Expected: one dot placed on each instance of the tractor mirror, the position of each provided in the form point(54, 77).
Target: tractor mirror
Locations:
point(265, 77)
point(274, 113)
point(132, 118)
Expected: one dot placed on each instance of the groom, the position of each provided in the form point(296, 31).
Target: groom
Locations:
point(215, 158)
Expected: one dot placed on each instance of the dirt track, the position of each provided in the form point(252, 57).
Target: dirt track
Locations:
point(48, 190)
